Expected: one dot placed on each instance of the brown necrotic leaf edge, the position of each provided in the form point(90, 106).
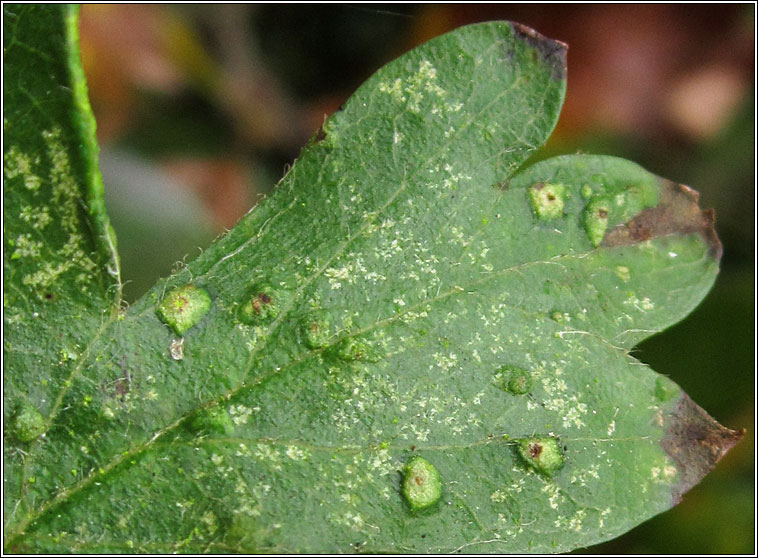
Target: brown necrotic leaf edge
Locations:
point(696, 442)
point(552, 52)
point(676, 213)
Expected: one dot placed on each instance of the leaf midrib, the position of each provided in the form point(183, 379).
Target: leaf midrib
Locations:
point(356, 448)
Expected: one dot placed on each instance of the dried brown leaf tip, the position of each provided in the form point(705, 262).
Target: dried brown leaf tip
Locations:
point(696, 442)
point(676, 213)
point(550, 51)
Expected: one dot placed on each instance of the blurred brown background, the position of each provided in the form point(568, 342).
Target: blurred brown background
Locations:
point(200, 107)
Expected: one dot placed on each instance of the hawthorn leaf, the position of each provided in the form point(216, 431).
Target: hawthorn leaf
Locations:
point(417, 343)
point(61, 276)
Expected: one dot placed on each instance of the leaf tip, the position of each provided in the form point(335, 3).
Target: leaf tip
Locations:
point(677, 212)
point(696, 442)
point(551, 51)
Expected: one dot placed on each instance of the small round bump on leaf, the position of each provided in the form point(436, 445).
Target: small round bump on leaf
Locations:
point(543, 454)
point(262, 304)
point(514, 379)
point(596, 219)
point(520, 382)
point(547, 200)
point(316, 330)
point(560, 317)
point(28, 423)
point(215, 419)
point(184, 307)
point(355, 348)
point(421, 484)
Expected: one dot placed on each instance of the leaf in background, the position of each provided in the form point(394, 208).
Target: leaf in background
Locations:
point(405, 303)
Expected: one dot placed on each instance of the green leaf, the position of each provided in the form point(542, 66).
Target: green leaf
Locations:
point(408, 296)
point(61, 276)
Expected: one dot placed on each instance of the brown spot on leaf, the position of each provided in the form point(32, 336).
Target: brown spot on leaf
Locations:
point(696, 442)
point(260, 301)
point(677, 212)
point(535, 450)
point(119, 387)
point(550, 51)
